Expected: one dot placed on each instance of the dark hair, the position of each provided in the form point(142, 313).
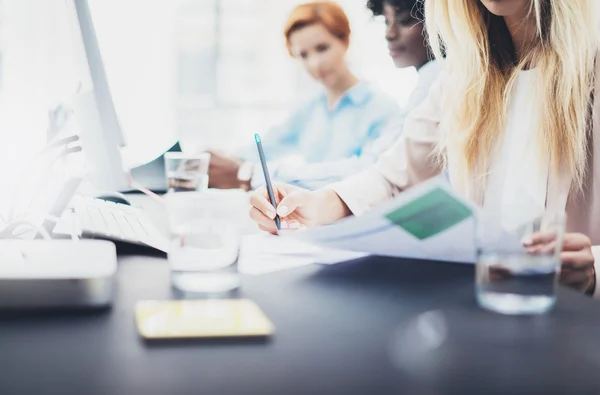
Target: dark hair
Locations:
point(415, 7)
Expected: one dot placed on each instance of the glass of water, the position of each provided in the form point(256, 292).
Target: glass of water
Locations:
point(206, 229)
point(512, 279)
point(186, 172)
point(204, 256)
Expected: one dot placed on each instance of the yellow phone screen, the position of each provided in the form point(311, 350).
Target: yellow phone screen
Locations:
point(172, 319)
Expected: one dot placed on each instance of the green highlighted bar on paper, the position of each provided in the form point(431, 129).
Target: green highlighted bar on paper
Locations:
point(431, 214)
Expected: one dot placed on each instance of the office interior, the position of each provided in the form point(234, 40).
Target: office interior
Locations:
point(210, 73)
point(194, 75)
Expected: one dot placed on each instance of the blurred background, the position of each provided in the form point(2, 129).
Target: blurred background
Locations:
point(208, 72)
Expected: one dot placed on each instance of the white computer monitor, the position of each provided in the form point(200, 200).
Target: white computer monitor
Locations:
point(100, 132)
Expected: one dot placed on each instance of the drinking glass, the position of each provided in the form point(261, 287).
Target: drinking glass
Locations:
point(512, 279)
point(186, 172)
point(206, 236)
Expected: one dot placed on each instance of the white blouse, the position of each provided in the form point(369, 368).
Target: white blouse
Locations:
point(518, 175)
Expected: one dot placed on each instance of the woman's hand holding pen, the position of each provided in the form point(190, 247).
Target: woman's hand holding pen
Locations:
point(297, 208)
point(294, 207)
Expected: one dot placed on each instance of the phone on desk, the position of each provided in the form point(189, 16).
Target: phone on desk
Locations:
point(204, 318)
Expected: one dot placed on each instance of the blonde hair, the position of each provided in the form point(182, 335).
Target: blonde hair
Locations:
point(483, 66)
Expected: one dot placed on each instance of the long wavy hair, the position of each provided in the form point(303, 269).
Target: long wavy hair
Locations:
point(483, 64)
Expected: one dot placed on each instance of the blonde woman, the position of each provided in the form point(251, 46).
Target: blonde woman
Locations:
point(513, 121)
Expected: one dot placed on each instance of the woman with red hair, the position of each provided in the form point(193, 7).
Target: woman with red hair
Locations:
point(332, 136)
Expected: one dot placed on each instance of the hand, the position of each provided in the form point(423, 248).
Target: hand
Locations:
point(302, 212)
point(223, 171)
point(297, 208)
point(577, 261)
point(181, 185)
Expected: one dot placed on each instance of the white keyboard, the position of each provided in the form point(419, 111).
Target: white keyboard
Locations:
point(119, 222)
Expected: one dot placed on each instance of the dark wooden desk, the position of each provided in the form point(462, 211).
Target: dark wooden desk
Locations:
point(377, 326)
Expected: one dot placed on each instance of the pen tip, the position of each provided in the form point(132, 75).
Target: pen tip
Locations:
point(257, 138)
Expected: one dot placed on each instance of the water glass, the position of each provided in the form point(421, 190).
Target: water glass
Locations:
point(206, 232)
point(204, 256)
point(512, 279)
point(187, 172)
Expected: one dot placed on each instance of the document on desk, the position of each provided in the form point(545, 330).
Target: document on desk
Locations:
point(429, 221)
point(264, 253)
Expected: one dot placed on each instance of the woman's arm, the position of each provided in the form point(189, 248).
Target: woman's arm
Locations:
point(408, 162)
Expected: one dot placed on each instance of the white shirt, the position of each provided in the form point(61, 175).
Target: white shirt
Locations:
point(518, 175)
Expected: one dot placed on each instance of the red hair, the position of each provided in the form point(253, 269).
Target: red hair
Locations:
point(327, 13)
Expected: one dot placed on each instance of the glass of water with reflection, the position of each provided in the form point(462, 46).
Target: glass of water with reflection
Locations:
point(187, 172)
point(512, 279)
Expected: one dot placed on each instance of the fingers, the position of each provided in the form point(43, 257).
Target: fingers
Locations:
point(291, 202)
point(545, 242)
point(262, 220)
point(576, 242)
point(271, 228)
point(280, 191)
point(576, 260)
point(577, 268)
point(539, 238)
point(574, 277)
point(263, 212)
point(580, 280)
point(291, 224)
point(266, 222)
point(260, 201)
point(542, 248)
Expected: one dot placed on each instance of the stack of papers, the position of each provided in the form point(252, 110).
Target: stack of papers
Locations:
point(428, 221)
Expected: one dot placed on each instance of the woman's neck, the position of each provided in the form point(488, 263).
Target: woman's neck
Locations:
point(334, 93)
point(523, 31)
point(421, 66)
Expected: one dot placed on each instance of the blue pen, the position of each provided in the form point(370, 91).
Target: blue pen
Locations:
point(263, 162)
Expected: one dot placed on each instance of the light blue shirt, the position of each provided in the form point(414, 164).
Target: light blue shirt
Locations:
point(318, 145)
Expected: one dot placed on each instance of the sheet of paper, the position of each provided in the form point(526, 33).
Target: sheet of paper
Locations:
point(331, 256)
point(428, 221)
point(263, 253)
